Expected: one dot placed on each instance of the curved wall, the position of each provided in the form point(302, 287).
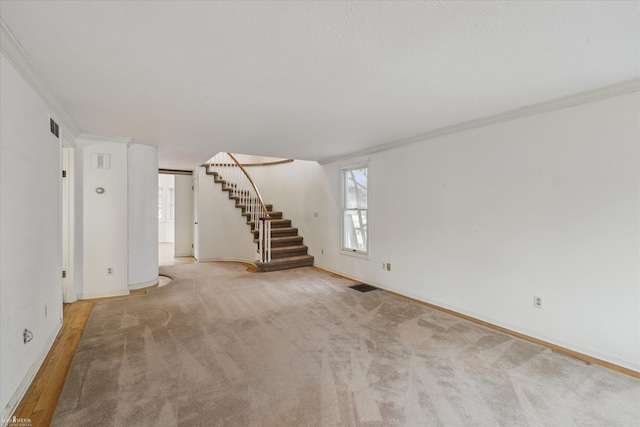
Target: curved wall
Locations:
point(143, 215)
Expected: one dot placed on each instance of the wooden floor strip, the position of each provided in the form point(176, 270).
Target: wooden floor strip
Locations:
point(40, 401)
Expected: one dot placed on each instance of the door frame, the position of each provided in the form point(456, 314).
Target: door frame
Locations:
point(67, 193)
point(196, 203)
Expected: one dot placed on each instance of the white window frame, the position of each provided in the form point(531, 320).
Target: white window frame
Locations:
point(343, 181)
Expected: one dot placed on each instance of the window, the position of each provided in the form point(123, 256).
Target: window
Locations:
point(172, 204)
point(355, 206)
point(160, 205)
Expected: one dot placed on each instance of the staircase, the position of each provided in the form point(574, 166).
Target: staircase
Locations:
point(287, 250)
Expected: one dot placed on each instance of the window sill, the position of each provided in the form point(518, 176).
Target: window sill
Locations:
point(356, 254)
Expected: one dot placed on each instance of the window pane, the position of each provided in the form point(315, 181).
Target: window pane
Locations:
point(355, 205)
point(355, 229)
point(356, 188)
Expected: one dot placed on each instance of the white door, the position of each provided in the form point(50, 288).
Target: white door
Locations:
point(196, 251)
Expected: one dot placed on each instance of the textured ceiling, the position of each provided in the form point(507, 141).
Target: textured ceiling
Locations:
point(313, 80)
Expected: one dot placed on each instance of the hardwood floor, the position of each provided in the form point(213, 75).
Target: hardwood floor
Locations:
point(166, 255)
point(39, 403)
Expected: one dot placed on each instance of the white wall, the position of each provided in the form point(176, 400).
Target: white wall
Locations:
point(105, 239)
point(143, 215)
point(166, 229)
point(224, 235)
point(482, 220)
point(30, 235)
point(297, 190)
point(184, 216)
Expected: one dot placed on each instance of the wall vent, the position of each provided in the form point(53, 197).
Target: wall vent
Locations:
point(100, 161)
point(55, 129)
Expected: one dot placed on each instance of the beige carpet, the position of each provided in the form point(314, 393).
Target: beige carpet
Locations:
point(223, 347)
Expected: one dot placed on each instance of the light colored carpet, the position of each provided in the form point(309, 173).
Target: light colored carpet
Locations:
point(220, 346)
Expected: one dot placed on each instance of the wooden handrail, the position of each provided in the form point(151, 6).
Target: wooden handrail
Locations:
point(264, 207)
point(247, 165)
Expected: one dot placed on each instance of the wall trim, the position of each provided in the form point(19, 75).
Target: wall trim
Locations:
point(104, 138)
point(223, 259)
point(611, 91)
point(183, 255)
point(11, 48)
point(553, 347)
point(19, 394)
point(122, 292)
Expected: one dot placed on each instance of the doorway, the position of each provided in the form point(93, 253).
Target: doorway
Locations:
point(175, 216)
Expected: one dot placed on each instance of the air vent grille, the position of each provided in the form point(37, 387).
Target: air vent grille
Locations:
point(100, 161)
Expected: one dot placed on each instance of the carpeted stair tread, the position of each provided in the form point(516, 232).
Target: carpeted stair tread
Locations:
point(279, 232)
point(272, 214)
point(278, 242)
point(243, 207)
point(275, 223)
point(284, 263)
point(288, 251)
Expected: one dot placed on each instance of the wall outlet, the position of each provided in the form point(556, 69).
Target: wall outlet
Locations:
point(388, 266)
point(110, 271)
point(537, 301)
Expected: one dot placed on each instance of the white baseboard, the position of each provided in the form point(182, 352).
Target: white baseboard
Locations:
point(143, 284)
point(182, 254)
point(355, 279)
point(226, 259)
point(8, 411)
point(119, 293)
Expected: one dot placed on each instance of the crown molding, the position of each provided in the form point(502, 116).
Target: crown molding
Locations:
point(105, 138)
point(611, 91)
point(11, 48)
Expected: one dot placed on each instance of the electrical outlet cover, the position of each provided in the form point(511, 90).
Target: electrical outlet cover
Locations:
point(537, 301)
